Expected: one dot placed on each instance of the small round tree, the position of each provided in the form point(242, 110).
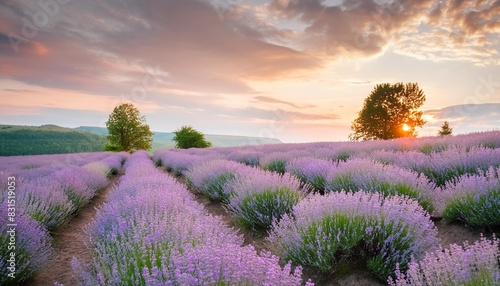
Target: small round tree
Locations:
point(128, 130)
point(390, 111)
point(188, 137)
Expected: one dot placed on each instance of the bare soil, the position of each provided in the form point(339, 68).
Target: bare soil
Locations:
point(69, 241)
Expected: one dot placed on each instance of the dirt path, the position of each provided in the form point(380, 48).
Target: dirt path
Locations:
point(70, 241)
point(218, 209)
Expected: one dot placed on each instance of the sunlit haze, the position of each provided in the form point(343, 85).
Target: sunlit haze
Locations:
point(295, 70)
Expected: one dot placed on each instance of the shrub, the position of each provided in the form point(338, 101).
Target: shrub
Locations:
point(177, 162)
point(449, 165)
point(247, 157)
point(322, 229)
point(45, 201)
point(225, 264)
point(32, 248)
point(260, 197)
point(275, 162)
point(210, 177)
point(367, 175)
point(475, 199)
point(75, 187)
point(310, 170)
point(477, 264)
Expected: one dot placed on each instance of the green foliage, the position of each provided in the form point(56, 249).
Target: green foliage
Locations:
point(445, 129)
point(386, 188)
point(353, 240)
point(278, 166)
point(386, 110)
point(188, 137)
point(214, 189)
point(474, 210)
point(32, 140)
point(258, 210)
point(112, 148)
point(128, 130)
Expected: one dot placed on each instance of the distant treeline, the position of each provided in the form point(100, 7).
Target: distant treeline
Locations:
point(35, 142)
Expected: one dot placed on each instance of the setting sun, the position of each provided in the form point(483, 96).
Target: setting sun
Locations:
point(406, 127)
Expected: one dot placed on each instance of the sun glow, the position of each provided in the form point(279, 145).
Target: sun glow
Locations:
point(406, 127)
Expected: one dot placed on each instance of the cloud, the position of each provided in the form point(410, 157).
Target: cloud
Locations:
point(281, 115)
point(464, 118)
point(456, 30)
point(269, 99)
point(185, 39)
point(428, 29)
point(351, 27)
point(24, 101)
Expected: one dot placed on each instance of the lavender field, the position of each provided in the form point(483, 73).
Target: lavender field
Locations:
point(394, 212)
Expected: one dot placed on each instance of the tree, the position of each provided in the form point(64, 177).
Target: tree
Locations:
point(445, 129)
point(390, 111)
point(187, 137)
point(128, 130)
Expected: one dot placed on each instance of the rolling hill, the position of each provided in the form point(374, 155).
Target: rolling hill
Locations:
point(52, 139)
point(162, 140)
point(46, 139)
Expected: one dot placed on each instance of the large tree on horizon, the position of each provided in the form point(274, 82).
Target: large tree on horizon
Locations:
point(390, 111)
point(128, 130)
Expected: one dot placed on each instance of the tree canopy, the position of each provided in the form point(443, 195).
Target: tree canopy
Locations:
point(128, 130)
point(188, 137)
point(390, 111)
point(445, 129)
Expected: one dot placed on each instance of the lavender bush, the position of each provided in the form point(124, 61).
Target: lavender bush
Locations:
point(260, 197)
point(477, 264)
point(311, 171)
point(445, 166)
point(210, 177)
point(475, 199)
point(76, 183)
point(227, 264)
point(32, 248)
point(386, 231)
point(45, 201)
point(248, 157)
point(275, 162)
point(176, 161)
point(363, 174)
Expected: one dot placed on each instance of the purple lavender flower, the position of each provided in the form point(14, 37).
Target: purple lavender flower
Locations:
point(210, 177)
point(474, 199)
point(311, 171)
point(32, 247)
point(152, 232)
point(392, 230)
point(477, 264)
point(45, 200)
point(363, 174)
point(260, 197)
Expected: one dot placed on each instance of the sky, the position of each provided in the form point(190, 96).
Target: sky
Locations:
point(296, 70)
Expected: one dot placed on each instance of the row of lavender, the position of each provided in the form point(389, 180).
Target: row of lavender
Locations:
point(440, 181)
point(313, 229)
point(40, 193)
point(153, 232)
point(264, 199)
